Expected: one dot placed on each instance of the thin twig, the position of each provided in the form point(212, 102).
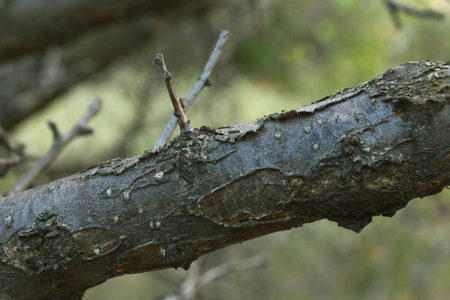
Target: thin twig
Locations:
point(55, 131)
point(177, 108)
point(201, 82)
point(189, 287)
point(194, 282)
point(10, 161)
point(79, 128)
point(6, 163)
point(9, 144)
point(16, 149)
point(227, 268)
point(394, 7)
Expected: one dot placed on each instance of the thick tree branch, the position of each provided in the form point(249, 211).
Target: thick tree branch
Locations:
point(360, 153)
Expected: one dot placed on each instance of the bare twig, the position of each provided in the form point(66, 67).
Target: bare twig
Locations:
point(227, 268)
point(189, 287)
point(80, 128)
point(395, 7)
point(16, 149)
point(9, 144)
point(6, 163)
point(194, 282)
point(201, 82)
point(55, 131)
point(177, 108)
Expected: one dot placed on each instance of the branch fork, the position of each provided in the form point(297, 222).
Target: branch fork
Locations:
point(59, 142)
point(201, 82)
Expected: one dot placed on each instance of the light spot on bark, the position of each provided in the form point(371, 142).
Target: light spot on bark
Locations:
point(8, 221)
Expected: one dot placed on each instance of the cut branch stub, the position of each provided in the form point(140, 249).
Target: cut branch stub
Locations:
point(178, 109)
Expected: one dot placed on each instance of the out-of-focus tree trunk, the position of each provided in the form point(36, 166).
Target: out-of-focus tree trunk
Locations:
point(48, 47)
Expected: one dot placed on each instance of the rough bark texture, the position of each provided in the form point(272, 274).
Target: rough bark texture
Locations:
point(362, 152)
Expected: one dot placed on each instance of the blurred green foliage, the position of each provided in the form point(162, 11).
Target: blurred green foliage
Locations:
point(283, 54)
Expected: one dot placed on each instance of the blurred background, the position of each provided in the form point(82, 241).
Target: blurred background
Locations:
point(56, 57)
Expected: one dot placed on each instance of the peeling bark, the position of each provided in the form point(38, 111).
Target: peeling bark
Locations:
point(360, 153)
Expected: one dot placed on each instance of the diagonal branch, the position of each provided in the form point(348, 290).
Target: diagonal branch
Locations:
point(195, 281)
point(9, 144)
point(59, 142)
point(177, 108)
point(362, 152)
point(17, 149)
point(395, 7)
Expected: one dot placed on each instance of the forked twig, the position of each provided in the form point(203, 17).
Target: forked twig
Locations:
point(9, 144)
point(201, 82)
point(80, 128)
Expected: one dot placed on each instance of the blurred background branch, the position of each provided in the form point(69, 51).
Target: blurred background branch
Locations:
point(195, 281)
point(396, 7)
point(59, 142)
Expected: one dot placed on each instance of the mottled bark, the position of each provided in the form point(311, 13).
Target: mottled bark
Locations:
point(362, 152)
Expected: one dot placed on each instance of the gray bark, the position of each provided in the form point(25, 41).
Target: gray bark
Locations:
point(363, 152)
